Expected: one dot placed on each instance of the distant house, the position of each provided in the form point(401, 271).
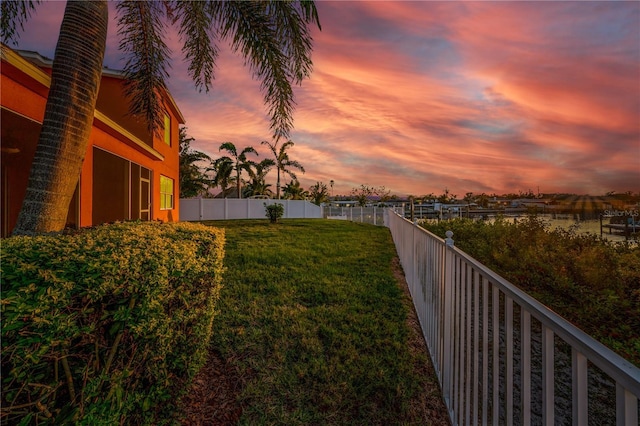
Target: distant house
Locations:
point(128, 173)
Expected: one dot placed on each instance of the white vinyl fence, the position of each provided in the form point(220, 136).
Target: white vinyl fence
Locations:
point(246, 208)
point(501, 357)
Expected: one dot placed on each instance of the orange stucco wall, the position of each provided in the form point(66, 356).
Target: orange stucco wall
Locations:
point(113, 103)
point(15, 96)
point(25, 96)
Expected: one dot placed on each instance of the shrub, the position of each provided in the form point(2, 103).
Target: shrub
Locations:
point(106, 326)
point(274, 211)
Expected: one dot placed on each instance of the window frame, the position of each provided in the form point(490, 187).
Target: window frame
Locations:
point(167, 128)
point(164, 196)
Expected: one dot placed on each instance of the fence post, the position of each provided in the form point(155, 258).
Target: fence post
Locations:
point(449, 240)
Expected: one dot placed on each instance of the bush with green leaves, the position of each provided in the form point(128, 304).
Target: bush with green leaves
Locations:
point(590, 281)
point(274, 211)
point(106, 325)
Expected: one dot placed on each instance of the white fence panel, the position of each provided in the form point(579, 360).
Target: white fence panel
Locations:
point(234, 208)
point(501, 357)
point(190, 208)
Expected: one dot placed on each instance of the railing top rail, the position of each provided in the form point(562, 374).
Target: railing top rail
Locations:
point(618, 368)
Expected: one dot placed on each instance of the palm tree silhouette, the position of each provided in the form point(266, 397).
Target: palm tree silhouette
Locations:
point(222, 169)
point(283, 162)
point(258, 173)
point(239, 161)
point(293, 191)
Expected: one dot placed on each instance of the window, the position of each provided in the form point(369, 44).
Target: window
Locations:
point(166, 193)
point(167, 129)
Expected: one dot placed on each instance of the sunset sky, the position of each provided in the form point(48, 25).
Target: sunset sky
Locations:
point(493, 97)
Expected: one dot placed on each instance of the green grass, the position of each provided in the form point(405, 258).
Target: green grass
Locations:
point(315, 325)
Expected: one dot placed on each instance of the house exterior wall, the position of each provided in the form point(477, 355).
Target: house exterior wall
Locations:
point(23, 98)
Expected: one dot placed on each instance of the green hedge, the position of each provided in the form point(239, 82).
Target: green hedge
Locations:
point(106, 325)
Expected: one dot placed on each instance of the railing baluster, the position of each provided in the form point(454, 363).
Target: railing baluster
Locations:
point(428, 307)
point(626, 407)
point(548, 350)
point(495, 372)
point(438, 314)
point(443, 312)
point(485, 350)
point(525, 367)
point(476, 343)
point(467, 375)
point(508, 330)
point(459, 341)
point(580, 385)
point(447, 360)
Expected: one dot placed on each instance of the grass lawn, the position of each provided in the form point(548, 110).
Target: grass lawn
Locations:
point(313, 328)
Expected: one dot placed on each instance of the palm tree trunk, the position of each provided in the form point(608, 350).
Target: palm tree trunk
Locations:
point(68, 118)
point(278, 185)
point(239, 184)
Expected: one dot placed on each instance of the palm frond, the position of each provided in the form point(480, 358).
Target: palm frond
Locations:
point(267, 163)
point(286, 145)
point(258, 171)
point(290, 22)
point(223, 168)
point(248, 150)
point(195, 30)
point(141, 26)
point(230, 148)
point(272, 146)
point(13, 14)
point(296, 165)
point(251, 32)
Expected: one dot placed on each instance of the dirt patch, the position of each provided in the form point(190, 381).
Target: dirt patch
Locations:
point(212, 399)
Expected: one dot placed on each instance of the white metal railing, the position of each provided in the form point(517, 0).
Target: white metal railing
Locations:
point(369, 214)
point(501, 357)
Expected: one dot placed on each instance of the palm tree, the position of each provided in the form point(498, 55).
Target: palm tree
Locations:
point(239, 161)
point(293, 191)
point(258, 173)
point(68, 117)
point(319, 193)
point(282, 161)
point(273, 37)
point(193, 180)
point(257, 188)
point(222, 169)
